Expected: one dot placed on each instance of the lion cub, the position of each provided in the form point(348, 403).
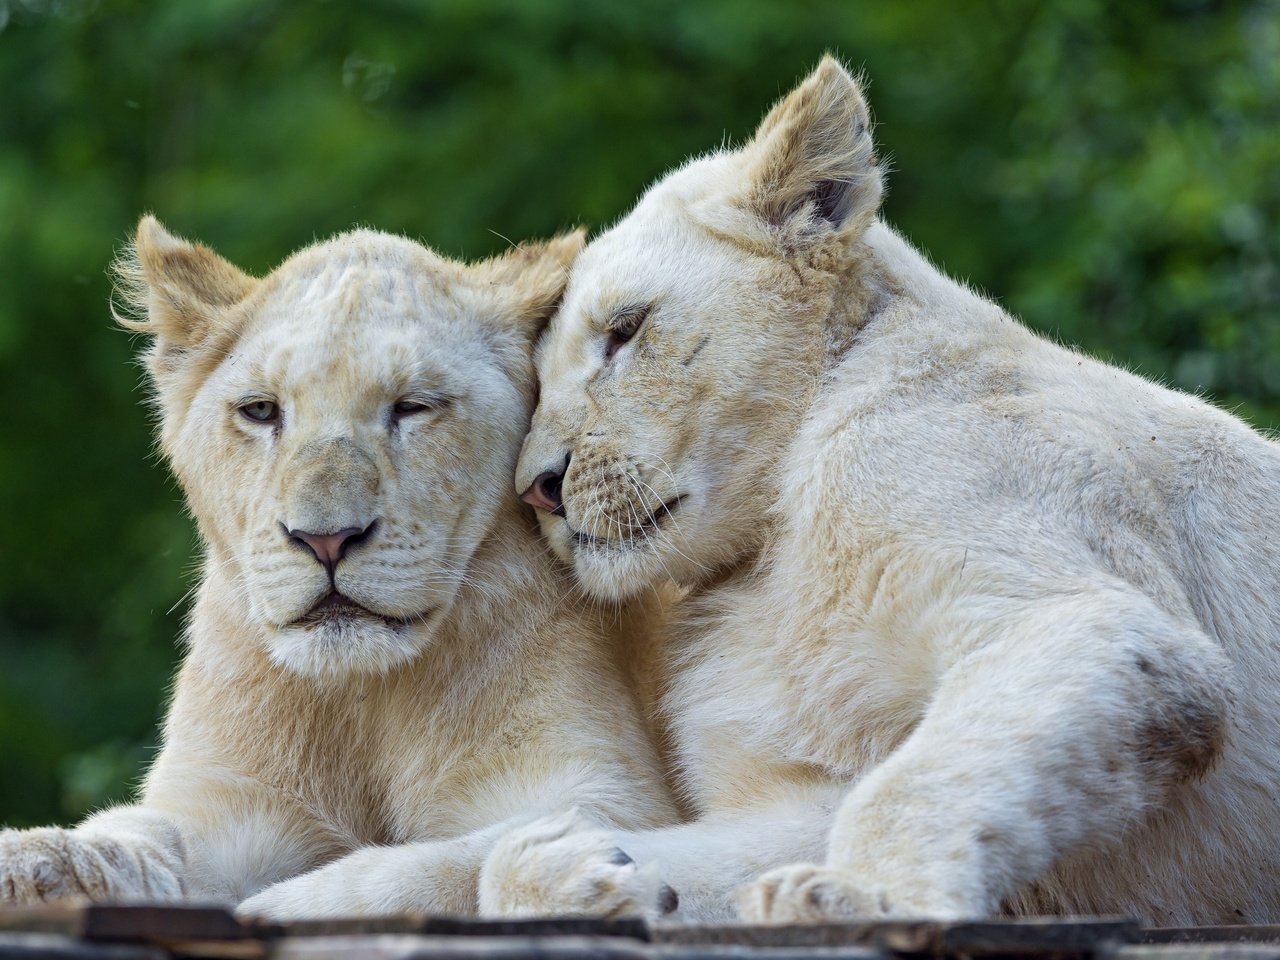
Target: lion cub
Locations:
point(380, 655)
point(1003, 619)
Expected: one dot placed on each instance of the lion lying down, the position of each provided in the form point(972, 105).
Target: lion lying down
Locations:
point(977, 623)
point(381, 652)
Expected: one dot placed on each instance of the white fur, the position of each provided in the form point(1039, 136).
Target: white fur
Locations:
point(386, 751)
point(554, 865)
point(1018, 608)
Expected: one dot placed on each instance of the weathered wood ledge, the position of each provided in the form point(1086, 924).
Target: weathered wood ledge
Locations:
point(111, 932)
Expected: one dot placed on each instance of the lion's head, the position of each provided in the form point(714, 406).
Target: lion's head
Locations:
point(690, 334)
point(344, 429)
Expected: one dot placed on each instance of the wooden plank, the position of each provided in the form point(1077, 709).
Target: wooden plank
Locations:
point(147, 923)
point(452, 947)
point(1253, 933)
point(68, 921)
point(218, 949)
point(397, 924)
point(627, 927)
point(740, 935)
point(400, 947)
point(214, 933)
point(1049, 937)
point(103, 922)
point(406, 924)
point(1197, 951)
point(721, 951)
point(1039, 937)
point(53, 946)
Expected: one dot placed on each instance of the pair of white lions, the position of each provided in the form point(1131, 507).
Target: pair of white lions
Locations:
point(970, 624)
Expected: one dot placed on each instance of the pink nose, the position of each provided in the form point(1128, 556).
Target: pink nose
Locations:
point(544, 492)
point(329, 548)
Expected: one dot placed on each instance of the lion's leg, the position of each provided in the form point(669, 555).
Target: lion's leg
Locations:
point(1065, 723)
point(559, 865)
point(426, 877)
point(571, 865)
point(125, 853)
point(199, 834)
point(443, 875)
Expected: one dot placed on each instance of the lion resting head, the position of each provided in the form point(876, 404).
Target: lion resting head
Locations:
point(341, 427)
point(691, 332)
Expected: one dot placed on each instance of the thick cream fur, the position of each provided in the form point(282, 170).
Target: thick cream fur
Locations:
point(384, 753)
point(998, 621)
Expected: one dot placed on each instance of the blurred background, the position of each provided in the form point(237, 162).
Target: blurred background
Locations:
point(1109, 171)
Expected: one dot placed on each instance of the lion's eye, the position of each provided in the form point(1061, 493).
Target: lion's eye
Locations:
point(408, 406)
point(403, 408)
point(261, 411)
point(622, 328)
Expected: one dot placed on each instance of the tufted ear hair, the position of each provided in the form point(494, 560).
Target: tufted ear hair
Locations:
point(179, 292)
point(536, 273)
point(811, 167)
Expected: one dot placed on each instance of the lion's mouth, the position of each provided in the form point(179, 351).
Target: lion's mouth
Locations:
point(633, 536)
point(336, 607)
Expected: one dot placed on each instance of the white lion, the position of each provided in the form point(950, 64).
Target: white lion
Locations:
point(383, 674)
point(977, 624)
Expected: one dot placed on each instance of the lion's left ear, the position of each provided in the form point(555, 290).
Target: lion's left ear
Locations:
point(810, 169)
point(535, 274)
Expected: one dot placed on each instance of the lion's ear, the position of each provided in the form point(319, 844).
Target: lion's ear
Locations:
point(811, 166)
point(177, 291)
point(535, 274)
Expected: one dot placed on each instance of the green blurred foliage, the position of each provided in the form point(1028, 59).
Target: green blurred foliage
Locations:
point(1110, 171)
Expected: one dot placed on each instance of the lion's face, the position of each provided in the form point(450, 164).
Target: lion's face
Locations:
point(345, 430)
point(690, 334)
point(664, 432)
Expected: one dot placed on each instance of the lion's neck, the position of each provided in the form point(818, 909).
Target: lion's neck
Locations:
point(512, 585)
point(877, 272)
point(905, 295)
point(222, 627)
point(880, 275)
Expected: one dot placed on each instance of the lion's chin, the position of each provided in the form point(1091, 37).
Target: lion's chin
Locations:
point(617, 573)
point(335, 646)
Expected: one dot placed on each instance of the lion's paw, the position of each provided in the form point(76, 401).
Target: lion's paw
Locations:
point(567, 866)
point(286, 900)
point(806, 893)
point(49, 864)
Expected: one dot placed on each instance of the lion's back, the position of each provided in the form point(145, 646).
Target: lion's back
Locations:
point(1029, 463)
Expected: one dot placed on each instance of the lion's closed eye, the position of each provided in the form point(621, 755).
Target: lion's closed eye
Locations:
point(623, 326)
point(417, 403)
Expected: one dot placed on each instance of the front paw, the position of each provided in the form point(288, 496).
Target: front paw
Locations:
point(367, 883)
point(280, 902)
point(806, 893)
point(568, 866)
point(50, 865)
point(335, 890)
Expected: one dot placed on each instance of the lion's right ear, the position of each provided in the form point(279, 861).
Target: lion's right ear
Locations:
point(179, 292)
point(810, 170)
